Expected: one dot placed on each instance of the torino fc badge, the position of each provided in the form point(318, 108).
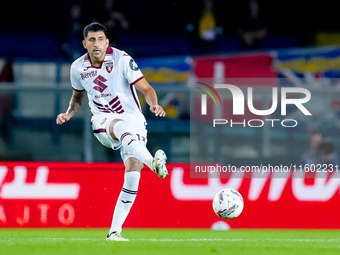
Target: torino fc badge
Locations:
point(109, 66)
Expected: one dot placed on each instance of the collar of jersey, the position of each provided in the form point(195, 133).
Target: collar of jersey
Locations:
point(108, 57)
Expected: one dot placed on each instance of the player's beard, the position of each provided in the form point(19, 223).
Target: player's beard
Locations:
point(97, 55)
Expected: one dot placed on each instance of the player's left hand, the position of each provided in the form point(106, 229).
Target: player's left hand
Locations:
point(157, 110)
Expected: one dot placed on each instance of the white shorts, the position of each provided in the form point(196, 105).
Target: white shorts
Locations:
point(100, 128)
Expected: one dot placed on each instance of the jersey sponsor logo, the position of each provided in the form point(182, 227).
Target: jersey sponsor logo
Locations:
point(103, 95)
point(109, 66)
point(99, 81)
point(133, 65)
point(88, 75)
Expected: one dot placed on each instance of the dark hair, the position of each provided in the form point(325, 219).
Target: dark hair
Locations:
point(94, 27)
point(326, 147)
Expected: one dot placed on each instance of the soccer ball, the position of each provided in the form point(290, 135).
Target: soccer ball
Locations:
point(228, 204)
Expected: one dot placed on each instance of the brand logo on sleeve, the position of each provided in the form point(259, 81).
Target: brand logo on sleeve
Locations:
point(133, 65)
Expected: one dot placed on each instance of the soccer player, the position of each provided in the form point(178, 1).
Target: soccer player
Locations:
point(110, 77)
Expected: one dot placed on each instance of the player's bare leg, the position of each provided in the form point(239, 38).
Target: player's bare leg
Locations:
point(126, 198)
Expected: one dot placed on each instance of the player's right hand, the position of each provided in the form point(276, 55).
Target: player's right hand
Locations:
point(157, 110)
point(63, 117)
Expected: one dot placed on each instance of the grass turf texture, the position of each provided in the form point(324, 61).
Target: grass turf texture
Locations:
point(172, 242)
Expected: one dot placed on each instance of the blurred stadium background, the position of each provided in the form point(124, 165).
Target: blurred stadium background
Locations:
point(38, 46)
point(39, 40)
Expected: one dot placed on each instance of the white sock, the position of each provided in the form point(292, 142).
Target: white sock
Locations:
point(132, 143)
point(125, 200)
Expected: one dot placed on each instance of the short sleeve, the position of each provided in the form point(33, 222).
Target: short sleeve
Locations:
point(131, 70)
point(75, 82)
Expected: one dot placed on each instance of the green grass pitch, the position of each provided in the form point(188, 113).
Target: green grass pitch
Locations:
point(174, 242)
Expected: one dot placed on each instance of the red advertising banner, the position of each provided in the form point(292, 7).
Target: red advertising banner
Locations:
point(84, 195)
point(237, 66)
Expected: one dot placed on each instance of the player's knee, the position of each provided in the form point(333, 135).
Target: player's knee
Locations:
point(133, 164)
point(111, 128)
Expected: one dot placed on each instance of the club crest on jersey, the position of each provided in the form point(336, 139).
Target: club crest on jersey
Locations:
point(109, 66)
point(133, 65)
